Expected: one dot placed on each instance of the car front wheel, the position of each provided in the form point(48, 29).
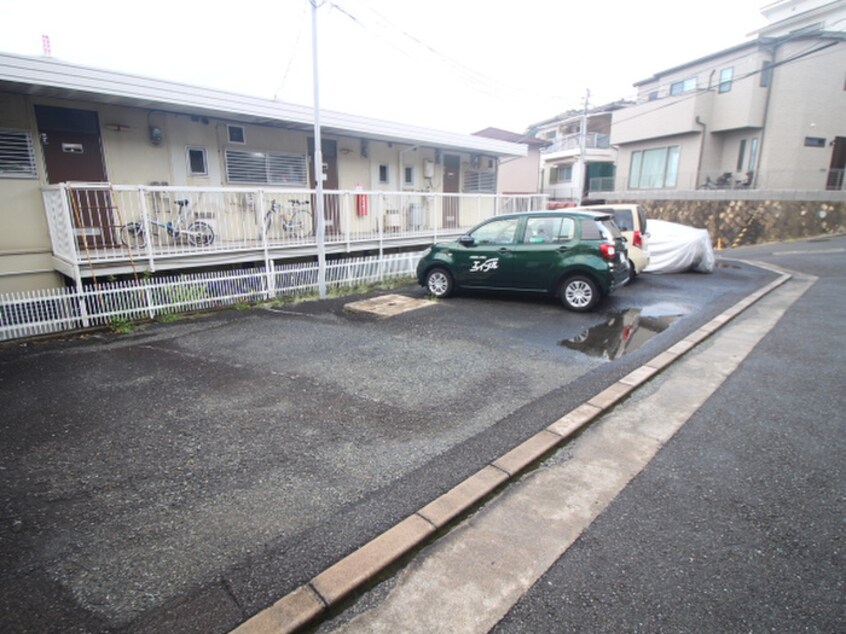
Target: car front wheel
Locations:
point(579, 293)
point(439, 282)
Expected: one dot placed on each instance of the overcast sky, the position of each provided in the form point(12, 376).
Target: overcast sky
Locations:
point(456, 65)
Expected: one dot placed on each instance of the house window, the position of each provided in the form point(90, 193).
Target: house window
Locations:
point(656, 168)
point(766, 74)
point(383, 173)
point(726, 76)
point(561, 174)
point(753, 155)
point(17, 157)
point(479, 182)
point(814, 141)
point(408, 176)
point(653, 96)
point(741, 154)
point(197, 163)
point(236, 134)
point(685, 85)
point(278, 168)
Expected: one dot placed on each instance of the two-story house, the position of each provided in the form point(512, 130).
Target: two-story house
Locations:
point(768, 114)
point(578, 162)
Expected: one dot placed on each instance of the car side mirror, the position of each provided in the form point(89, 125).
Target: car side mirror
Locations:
point(467, 241)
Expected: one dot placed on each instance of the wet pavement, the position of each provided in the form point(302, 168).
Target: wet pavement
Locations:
point(185, 475)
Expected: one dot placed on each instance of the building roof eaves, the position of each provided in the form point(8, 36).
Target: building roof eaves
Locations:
point(72, 79)
point(728, 51)
point(511, 137)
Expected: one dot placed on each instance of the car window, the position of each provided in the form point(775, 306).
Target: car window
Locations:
point(590, 230)
point(501, 231)
point(547, 229)
point(609, 229)
point(624, 219)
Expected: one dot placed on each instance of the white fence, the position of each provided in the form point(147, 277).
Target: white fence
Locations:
point(33, 313)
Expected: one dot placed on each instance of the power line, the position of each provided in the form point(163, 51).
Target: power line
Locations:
point(748, 75)
point(479, 81)
point(293, 53)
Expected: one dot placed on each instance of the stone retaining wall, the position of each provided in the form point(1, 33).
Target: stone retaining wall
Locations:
point(743, 222)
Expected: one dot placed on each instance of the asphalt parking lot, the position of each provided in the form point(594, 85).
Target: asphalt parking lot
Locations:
point(185, 475)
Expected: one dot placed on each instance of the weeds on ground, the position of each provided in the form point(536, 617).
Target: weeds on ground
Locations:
point(121, 325)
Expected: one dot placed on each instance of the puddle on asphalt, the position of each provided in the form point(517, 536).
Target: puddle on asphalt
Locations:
point(727, 265)
point(625, 331)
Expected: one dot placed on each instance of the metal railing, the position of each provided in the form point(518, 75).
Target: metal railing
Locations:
point(33, 313)
point(601, 184)
point(573, 142)
point(717, 180)
point(95, 223)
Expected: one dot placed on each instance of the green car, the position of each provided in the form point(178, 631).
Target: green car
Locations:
point(579, 256)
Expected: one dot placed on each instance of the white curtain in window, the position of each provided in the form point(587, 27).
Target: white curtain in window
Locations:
point(652, 170)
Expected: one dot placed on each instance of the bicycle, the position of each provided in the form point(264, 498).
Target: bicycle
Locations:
point(198, 233)
point(296, 223)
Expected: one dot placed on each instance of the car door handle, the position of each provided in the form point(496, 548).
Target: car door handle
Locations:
point(504, 250)
point(563, 248)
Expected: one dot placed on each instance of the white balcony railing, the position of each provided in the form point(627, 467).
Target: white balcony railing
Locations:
point(97, 224)
point(574, 142)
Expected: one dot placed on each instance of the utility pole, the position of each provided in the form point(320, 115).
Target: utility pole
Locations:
point(582, 147)
point(318, 163)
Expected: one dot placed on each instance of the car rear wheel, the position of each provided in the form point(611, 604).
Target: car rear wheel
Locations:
point(439, 282)
point(579, 293)
point(632, 272)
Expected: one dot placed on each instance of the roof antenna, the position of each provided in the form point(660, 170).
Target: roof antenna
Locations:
point(45, 46)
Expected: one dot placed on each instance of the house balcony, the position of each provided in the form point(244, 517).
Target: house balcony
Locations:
point(573, 142)
point(99, 229)
point(597, 147)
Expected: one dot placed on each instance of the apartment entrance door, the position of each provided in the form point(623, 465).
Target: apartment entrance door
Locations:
point(73, 152)
point(331, 202)
point(452, 185)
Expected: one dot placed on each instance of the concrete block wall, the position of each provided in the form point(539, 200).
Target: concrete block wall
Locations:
point(744, 222)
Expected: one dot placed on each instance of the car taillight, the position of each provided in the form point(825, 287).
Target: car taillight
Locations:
point(608, 251)
point(637, 239)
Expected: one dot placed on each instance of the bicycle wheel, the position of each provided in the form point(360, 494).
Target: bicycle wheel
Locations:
point(132, 235)
point(300, 224)
point(200, 234)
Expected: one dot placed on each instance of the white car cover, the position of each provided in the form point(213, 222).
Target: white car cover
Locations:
point(675, 248)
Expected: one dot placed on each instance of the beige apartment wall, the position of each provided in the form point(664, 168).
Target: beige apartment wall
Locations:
point(744, 104)
point(808, 100)
point(520, 175)
point(662, 118)
point(25, 248)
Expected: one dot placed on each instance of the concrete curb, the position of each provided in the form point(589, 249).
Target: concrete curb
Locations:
point(313, 599)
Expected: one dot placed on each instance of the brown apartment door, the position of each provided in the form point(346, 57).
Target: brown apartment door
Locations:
point(73, 151)
point(452, 185)
point(331, 202)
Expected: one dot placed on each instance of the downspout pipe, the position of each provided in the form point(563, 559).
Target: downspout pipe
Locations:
point(701, 151)
point(771, 70)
